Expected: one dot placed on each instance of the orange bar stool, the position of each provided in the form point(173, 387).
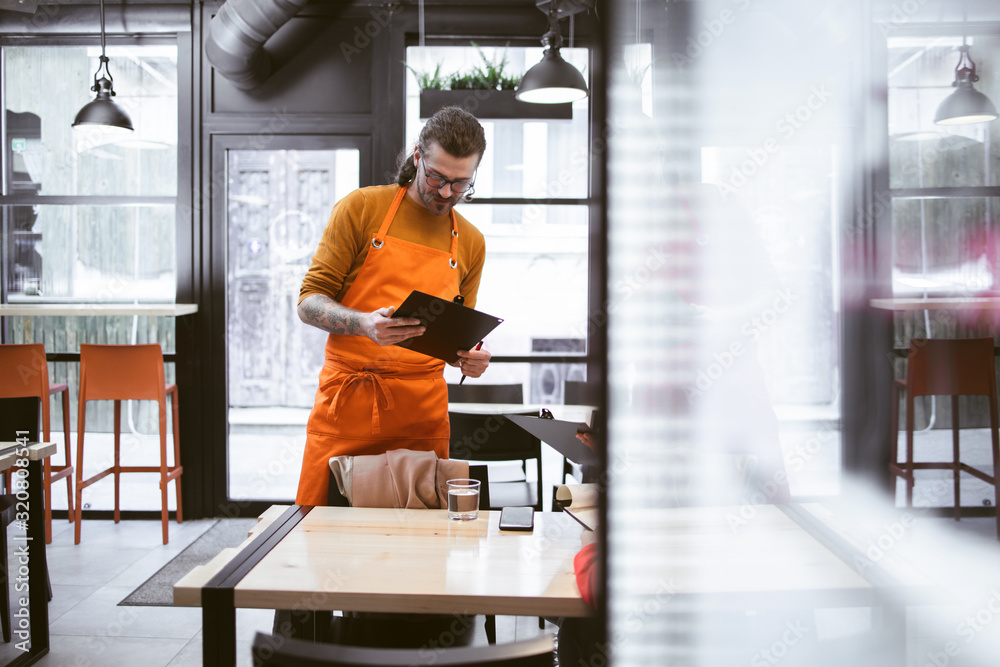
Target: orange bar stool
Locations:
point(24, 373)
point(127, 372)
point(947, 367)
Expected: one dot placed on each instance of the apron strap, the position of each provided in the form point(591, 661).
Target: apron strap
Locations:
point(453, 262)
point(383, 229)
point(378, 386)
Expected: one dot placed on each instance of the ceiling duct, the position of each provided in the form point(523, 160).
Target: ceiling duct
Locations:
point(236, 37)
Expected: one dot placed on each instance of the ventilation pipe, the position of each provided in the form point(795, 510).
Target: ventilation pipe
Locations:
point(236, 37)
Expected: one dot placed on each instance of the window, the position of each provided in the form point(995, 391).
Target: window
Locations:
point(531, 205)
point(945, 180)
point(91, 219)
point(100, 221)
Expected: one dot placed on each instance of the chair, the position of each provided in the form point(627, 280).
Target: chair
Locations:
point(943, 366)
point(271, 651)
point(576, 393)
point(579, 393)
point(127, 372)
point(25, 372)
point(485, 393)
point(491, 438)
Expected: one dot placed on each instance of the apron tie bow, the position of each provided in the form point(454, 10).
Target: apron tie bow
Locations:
point(378, 387)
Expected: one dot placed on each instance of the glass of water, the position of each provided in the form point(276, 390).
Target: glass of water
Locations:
point(463, 499)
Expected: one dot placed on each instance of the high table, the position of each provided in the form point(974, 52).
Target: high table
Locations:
point(29, 514)
point(572, 413)
point(385, 560)
point(937, 303)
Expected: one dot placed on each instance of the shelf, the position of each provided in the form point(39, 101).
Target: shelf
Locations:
point(491, 104)
point(96, 309)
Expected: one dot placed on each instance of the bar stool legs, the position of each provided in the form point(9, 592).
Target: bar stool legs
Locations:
point(128, 372)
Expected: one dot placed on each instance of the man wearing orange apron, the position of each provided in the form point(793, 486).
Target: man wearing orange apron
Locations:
point(381, 243)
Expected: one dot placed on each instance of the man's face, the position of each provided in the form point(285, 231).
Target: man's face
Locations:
point(439, 165)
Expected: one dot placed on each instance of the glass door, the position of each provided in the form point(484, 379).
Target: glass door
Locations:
point(278, 201)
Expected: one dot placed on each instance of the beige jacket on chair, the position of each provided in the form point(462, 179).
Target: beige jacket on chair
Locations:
point(398, 478)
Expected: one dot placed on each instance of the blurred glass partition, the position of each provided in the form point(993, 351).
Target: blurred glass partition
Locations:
point(278, 203)
point(726, 189)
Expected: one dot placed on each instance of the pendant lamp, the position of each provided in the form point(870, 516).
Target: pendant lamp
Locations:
point(553, 80)
point(965, 105)
point(103, 113)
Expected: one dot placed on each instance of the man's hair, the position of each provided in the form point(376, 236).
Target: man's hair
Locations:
point(454, 129)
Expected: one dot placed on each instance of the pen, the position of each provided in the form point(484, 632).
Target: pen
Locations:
point(478, 346)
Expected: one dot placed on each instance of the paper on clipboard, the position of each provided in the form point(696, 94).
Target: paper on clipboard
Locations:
point(450, 326)
point(580, 501)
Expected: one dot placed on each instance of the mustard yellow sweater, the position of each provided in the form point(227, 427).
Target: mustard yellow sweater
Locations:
point(355, 218)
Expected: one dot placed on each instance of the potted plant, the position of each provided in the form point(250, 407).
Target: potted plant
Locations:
point(487, 92)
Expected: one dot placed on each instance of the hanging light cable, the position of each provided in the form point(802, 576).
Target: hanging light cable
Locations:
point(965, 105)
point(103, 112)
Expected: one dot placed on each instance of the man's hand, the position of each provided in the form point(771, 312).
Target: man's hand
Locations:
point(325, 313)
point(382, 329)
point(473, 362)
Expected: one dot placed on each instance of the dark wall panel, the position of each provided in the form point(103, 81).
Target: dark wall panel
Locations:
point(310, 72)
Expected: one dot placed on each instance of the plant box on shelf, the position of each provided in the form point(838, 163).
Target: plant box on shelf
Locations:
point(491, 104)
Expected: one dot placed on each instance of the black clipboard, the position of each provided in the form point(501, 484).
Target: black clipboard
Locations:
point(560, 435)
point(450, 326)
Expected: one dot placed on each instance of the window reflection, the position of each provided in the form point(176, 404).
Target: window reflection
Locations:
point(922, 154)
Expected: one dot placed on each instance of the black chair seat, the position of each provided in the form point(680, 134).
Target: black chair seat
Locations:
point(271, 651)
point(493, 439)
point(513, 494)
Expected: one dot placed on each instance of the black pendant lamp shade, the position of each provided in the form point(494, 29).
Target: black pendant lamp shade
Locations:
point(103, 113)
point(966, 104)
point(553, 80)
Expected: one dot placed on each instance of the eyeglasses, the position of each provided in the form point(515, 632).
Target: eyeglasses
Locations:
point(437, 182)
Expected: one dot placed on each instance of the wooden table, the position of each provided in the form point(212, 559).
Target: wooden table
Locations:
point(938, 303)
point(788, 556)
point(29, 514)
point(385, 560)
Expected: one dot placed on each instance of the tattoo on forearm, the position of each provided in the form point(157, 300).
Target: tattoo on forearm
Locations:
point(327, 314)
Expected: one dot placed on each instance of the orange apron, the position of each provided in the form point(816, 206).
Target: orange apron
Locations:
point(374, 398)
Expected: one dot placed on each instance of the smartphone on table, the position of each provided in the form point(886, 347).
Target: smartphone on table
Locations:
point(517, 518)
